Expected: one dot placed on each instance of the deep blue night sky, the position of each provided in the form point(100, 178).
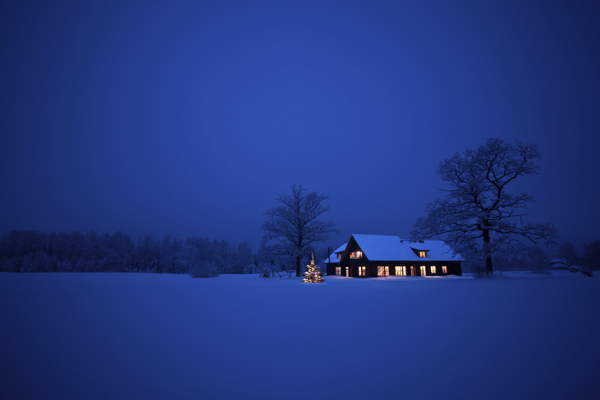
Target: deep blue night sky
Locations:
point(188, 118)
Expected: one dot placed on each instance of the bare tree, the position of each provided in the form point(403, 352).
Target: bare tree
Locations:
point(591, 255)
point(568, 252)
point(477, 215)
point(539, 259)
point(294, 222)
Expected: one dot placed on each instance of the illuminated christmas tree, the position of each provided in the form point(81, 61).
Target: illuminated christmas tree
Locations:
point(313, 275)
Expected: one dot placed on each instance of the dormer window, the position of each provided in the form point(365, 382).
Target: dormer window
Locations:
point(339, 256)
point(420, 252)
point(356, 254)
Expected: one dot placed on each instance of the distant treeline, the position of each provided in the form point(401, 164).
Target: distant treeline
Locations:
point(31, 251)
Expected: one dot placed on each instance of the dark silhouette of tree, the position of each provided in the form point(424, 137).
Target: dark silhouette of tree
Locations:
point(294, 222)
point(539, 259)
point(568, 252)
point(477, 215)
point(29, 251)
point(591, 255)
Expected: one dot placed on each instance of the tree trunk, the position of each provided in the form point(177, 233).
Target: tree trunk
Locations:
point(489, 270)
point(298, 260)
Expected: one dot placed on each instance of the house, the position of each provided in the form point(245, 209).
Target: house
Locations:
point(379, 255)
point(334, 259)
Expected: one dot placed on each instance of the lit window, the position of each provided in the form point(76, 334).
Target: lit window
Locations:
point(383, 271)
point(401, 271)
point(412, 270)
point(356, 254)
point(338, 271)
point(433, 269)
point(444, 269)
point(423, 270)
point(347, 271)
point(339, 255)
point(422, 254)
point(362, 271)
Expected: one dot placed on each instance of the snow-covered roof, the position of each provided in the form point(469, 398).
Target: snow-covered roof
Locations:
point(559, 261)
point(333, 257)
point(418, 245)
point(392, 248)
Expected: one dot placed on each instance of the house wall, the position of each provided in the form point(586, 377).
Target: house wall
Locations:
point(454, 267)
point(354, 263)
point(331, 268)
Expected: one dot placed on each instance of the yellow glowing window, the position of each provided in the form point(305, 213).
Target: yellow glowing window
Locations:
point(401, 270)
point(423, 270)
point(422, 254)
point(444, 269)
point(339, 256)
point(356, 254)
point(433, 269)
point(362, 271)
point(383, 271)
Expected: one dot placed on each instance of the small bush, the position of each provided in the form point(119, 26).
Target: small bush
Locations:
point(584, 271)
point(203, 269)
point(478, 271)
point(266, 273)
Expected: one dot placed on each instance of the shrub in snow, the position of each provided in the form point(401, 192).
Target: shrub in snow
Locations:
point(266, 273)
point(587, 272)
point(584, 271)
point(203, 269)
point(478, 271)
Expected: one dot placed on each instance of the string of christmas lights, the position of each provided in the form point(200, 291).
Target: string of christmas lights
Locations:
point(313, 274)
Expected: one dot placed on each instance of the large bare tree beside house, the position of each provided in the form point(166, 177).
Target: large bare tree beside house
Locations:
point(294, 222)
point(477, 215)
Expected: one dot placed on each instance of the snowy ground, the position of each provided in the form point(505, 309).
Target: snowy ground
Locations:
point(146, 336)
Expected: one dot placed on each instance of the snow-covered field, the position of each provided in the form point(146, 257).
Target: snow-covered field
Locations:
point(147, 336)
